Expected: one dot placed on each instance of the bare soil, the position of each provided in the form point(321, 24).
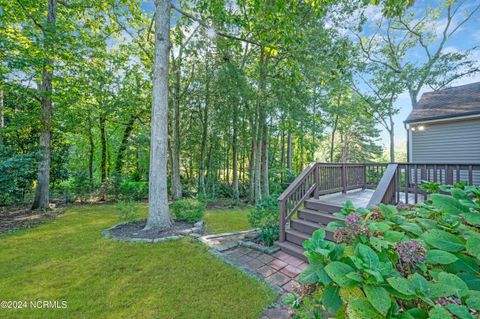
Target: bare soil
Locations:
point(20, 217)
point(135, 230)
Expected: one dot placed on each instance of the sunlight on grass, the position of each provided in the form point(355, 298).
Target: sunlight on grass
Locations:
point(67, 259)
point(227, 220)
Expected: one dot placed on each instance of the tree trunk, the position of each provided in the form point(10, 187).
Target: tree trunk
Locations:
point(123, 145)
point(2, 121)
point(158, 211)
point(265, 170)
point(176, 181)
point(235, 152)
point(91, 154)
point(42, 195)
point(203, 144)
point(332, 142)
point(289, 150)
point(391, 132)
point(103, 143)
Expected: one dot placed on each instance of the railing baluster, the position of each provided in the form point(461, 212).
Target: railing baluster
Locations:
point(470, 175)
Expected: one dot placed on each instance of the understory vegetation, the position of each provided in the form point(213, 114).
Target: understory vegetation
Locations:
point(67, 260)
point(389, 262)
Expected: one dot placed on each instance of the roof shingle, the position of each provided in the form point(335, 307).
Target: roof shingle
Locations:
point(451, 102)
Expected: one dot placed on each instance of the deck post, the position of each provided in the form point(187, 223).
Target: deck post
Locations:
point(316, 172)
point(364, 176)
point(282, 220)
point(344, 178)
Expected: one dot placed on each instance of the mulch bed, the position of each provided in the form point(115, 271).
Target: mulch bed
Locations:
point(135, 230)
point(20, 217)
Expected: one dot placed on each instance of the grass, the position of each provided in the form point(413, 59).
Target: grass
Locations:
point(226, 220)
point(67, 259)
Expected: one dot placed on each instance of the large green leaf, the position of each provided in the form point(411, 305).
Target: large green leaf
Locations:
point(439, 312)
point(460, 311)
point(472, 218)
point(460, 286)
point(442, 240)
point(362, 309)
point(440, 257)
point(378, 297)
point(331, 299)
point(402, 285)
point(473, 246)
point(368, 256)
point(448, 204)
point(337, 271)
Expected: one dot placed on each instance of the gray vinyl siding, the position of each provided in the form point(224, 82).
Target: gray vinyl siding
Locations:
point(447, 142)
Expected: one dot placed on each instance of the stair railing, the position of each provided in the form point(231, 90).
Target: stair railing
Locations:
point(296, 194)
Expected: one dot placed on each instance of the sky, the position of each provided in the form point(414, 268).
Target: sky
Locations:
point(467, 37)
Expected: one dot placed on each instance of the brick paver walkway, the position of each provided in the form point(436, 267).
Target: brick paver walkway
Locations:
point(279, 270)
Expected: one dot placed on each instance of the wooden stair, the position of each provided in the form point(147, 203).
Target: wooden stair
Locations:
point(314, 215)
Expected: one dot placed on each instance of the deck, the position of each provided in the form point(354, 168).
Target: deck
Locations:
point(361, 197)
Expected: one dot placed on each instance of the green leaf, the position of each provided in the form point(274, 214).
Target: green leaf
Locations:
point(379, 226)
point(393, 236)
point(401, 285)
point(337, 271)
point(464, 264)
point(448, 204)
point(473, 300)
point(361, 309)
point(309, 275)
point(367, 255)
point(412, 228)
point(440, 257)
point(438, 312)
point(355, 276)
point(460, 311)
point(473, 246)
point(442, 240)
point(378, 297)
point(388, 211)
point(331, 299)
point(472, 218)
point(454, 281)
point(378, 243)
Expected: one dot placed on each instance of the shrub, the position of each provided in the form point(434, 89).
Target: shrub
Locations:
point(416, 263)
point(265, 216)
point(134, 190)
point(189, 210)
point(127, 211)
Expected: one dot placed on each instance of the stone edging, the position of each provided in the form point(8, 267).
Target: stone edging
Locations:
point(194, 232)
point(261, 248)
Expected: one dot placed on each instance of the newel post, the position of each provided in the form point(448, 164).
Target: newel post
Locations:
point(316, 172)
point(283, 211)
point(344, 178)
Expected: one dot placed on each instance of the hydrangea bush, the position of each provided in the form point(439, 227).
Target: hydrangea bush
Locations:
point(397, 262)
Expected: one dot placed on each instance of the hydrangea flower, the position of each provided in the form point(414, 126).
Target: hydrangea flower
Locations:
point(410, 252)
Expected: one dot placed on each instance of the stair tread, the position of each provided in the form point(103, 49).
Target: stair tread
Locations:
point(316, 212)
point(288, 245)
point(298, 233)
point(307, 223)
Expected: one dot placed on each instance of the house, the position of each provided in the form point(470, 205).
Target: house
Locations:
point(445, 126)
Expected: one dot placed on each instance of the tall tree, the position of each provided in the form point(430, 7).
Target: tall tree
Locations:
point(158, 211)
point(42, 195)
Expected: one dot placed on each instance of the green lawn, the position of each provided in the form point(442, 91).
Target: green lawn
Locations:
point(67, 259)
point(227, 220)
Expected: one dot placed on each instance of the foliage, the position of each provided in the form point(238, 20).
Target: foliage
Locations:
point(17, 174)
point(127, 211)
point(265, 216)
point(418, 263)
point(133, 190)
point(189, 210)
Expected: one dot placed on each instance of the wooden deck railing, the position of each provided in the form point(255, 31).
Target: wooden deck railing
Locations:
point(326, 178)
point(393, 183)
